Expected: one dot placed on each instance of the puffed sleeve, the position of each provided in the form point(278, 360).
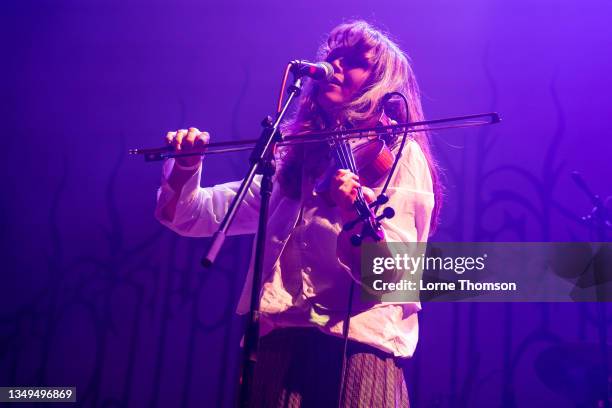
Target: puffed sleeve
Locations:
point(200, 210)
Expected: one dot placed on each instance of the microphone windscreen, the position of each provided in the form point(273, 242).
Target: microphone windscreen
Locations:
point(329, 70)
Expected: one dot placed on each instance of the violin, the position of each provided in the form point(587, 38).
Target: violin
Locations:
point(371, 159)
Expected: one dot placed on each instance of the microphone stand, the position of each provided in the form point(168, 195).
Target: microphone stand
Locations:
point(262, 162)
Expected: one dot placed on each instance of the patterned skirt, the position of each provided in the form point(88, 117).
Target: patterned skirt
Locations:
point(301, 367)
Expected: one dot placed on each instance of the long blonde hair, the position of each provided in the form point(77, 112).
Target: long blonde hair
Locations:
point(390, 72)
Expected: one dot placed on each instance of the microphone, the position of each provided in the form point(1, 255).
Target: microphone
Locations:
point(320, 71)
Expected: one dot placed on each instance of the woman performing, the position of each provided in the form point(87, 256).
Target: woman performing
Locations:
point(310, 264)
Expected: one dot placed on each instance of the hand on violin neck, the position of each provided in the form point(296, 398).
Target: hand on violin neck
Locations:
point(369, 194)
point(343, 192)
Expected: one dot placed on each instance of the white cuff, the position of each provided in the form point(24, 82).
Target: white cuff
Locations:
point(195, 166)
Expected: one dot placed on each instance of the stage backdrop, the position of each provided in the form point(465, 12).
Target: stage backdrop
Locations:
point(96, 294)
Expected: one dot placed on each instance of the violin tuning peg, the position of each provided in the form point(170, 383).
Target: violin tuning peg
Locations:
point(356, 240)
point(389, 212)
point(380, 200)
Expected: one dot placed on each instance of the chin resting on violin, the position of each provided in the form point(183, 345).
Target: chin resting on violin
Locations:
point(309, 262)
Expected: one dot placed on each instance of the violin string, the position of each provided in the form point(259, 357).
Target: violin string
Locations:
point(345, 159)
point(352, 166)
point(351, 158)
point(341, 152)
point(348, 161)
point(337, 152)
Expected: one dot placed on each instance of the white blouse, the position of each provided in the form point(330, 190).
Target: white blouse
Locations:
point(305, 283)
